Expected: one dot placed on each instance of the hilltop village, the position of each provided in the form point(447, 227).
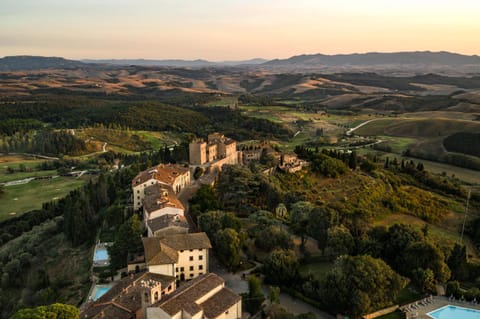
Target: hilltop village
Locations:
point(172, 279)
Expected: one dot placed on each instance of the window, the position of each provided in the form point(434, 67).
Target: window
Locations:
point(138, 191)
point(191, 275)
point(182, 269)
point(191, 249)
point(226, 312)
point(191, 268)
point(200, 257)
point(200, 273)
point(156, 295)
point(169, 287)
point(200, 249)
point(191, 258)
point(176, 269)
point(181, 251)
point(200, 267)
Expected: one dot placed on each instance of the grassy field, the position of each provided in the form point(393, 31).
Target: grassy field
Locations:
point(126, 141)
point(463, 174)
point(19, 199)
point(318, 269)
point(14, 162)
point(418, 127)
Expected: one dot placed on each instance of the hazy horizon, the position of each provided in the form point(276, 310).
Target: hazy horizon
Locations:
point(219, 30)
point(233, 60)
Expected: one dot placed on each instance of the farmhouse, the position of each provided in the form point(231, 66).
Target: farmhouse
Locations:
point(183, 256)
point(175, 176)
point(204, 297)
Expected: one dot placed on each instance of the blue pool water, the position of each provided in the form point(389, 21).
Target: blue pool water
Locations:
point(100, 254)
point(453, 312)
point(100, 291)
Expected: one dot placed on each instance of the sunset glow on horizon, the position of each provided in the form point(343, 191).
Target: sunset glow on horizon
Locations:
point(233, 29)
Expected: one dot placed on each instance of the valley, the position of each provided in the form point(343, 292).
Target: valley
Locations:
point(387, 157)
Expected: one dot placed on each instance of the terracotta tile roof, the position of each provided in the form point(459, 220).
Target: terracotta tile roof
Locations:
point(157, 253)
point(185, 298)
point(159, 196)
point(124, 299)
point(168, 220)
point(164, 173)
point(160, 251)
point(187, 241)
point(219, 303)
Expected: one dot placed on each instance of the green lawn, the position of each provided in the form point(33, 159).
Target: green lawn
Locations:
point(20, 199)
point(393, 315)
point(317, 269)
point(7, 177)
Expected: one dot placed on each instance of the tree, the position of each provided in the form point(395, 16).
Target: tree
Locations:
point(425, 280)
point(339, 242)
point(54, 311)
point(273, 236)
point(205, 199)
point(457, 262)
point(453, 289)
point(274, 294)
point(299, 219)
point(228, 247)
point(254, 298)
point(281, 268)
point(213, 221)
point(357, 285)
point(128, 241)
point(319, 222)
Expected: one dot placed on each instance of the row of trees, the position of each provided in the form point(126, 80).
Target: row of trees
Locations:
point(45, 142)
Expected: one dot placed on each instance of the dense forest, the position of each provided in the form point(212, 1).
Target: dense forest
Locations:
point(343, 225)
point(142, 115)
point(467, 143)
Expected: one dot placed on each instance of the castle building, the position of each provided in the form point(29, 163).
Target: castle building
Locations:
point(215, 152)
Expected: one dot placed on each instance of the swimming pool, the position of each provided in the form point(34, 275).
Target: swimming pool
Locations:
point(454, 312)
point(101, 254)
point(100, 292)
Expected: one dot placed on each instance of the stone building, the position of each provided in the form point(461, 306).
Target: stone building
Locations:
point(173, 175)
point(204, 297)
point(183, 256)
point(215, 152)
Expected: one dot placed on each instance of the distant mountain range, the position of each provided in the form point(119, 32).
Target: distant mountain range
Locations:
point(175, 62)
point(29, 63)
point(420, 61)
point(372, 59)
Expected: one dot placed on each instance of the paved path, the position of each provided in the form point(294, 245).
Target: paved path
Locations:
point(237, 284)
point(350, 131)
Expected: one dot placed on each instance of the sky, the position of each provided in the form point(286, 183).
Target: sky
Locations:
point(219, 30)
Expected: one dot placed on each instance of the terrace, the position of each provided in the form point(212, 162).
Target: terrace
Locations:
point(427, 308)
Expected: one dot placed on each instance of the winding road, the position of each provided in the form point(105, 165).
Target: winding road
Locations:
point(350, 131)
